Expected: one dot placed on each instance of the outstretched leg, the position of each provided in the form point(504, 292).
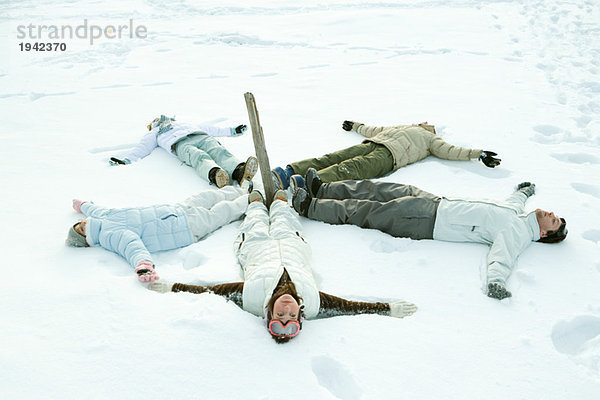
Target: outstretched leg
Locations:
point(208, 198)
point(412, 217)
point(369, 190)
point(206, 220)
point(253, 231)
point(284, 221)
point(378, 162)
point(218, 153)
point(286, 226)
point(327, 160)
point(188, 153)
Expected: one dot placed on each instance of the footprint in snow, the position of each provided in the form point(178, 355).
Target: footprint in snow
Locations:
point(547, 130)
point(34, 96)
point(335, 378)
point(391, 245)
point(364, 63)
point(213, 77)
point(585, 188)
point(158, 84)
point(576, 158)
point(264, 75)
point(115, 86)
point(570, 337)
point(593, 235)
point(6, 95)
point(314, 66)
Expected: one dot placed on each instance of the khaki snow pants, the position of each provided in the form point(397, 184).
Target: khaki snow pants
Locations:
point(363, 161)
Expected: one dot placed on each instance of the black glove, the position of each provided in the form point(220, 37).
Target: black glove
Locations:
point(497, 291)
point(116, 161)
point(527, 188)
point(240, 129)
point(487, 157)
point(347, 125)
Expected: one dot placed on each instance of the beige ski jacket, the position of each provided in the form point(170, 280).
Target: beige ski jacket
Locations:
point(411, 143)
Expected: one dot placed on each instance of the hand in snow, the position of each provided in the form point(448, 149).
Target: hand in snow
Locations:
point(145, 272)
point(347, 125)
point(401, 309)
point(239, 130)
point(161, 287)
point(527, 188)
point(497, 291)
point(77, 204)
point(487, 157)
point(116, 161)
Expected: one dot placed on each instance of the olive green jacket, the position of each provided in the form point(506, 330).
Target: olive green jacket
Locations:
point(411, 143)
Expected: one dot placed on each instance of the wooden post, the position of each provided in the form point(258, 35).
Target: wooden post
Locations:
point(260, 148)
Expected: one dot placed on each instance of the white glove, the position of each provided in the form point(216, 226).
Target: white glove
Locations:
point(401, 309)
point(160, 287)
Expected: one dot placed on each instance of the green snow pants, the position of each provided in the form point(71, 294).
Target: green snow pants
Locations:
point(400, 210)
point(363, 161)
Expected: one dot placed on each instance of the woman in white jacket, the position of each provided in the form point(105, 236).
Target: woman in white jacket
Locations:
point(278, 280)
point(195, 146)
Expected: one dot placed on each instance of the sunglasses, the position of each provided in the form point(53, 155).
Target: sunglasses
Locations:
point(291, 329)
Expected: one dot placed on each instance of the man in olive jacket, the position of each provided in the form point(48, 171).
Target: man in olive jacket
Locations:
point(385, 150)
point(406, 211)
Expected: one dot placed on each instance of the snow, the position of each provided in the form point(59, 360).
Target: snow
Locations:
point(516, 77)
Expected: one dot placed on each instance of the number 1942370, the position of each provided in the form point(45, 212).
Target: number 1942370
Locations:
point(43, 46)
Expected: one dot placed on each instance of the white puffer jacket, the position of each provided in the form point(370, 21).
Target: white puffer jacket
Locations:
point(265, 246)
point(154, 139)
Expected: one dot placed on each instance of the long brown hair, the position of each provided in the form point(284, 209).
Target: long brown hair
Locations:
point(286, 287)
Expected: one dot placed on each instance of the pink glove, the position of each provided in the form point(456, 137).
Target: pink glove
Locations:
point(77, 204)
point(145, 272)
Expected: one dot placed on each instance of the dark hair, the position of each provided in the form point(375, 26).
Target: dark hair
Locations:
point(558, 235)
point(287, 287)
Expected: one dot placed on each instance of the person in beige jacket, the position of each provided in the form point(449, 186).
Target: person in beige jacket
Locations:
point(384, 150)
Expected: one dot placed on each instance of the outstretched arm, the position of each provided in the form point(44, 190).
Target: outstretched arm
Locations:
point(523, 191)
point(231, 291)
point(332, 306)
point(218, 131)
point(143, 149)
point(441, 149)
point(365, 130)
point(88, 208)
point(127, 244)
point(505, 250)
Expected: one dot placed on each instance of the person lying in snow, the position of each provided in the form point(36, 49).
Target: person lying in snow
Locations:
point(386, 149)
point(278, 280)
point(135, 232)
point(194, 145)
point(406, 211)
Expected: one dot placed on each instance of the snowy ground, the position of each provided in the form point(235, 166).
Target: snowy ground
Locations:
point(517, 77)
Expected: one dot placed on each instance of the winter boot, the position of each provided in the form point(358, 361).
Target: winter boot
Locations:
point(301, 201)
point(497, 291)
point(297, 181)
point(218, 177)
point(281, 177)
point(255, 195)
point(246, 170)
point(280, 195)
point(313, 182)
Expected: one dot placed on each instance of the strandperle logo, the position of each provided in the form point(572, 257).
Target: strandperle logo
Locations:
point(83, 31)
